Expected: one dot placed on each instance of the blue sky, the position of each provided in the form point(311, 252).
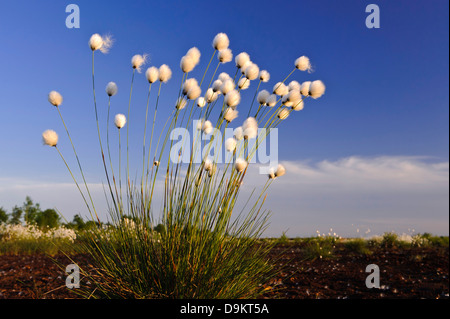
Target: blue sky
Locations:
point(386, 103)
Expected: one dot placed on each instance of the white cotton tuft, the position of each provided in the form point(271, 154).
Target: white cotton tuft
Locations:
point(317, 89)
point(240, 164)
point(294, 85)
point(217, 85)
point(298, 106)
point(225, 55)
point(251, 71)
point(272, 100)
point(187, 63)
point(208, 165)
point(200, 124)
point(232, 98)
point(207, 127)
point(285, 101)
point(250, 128)
point(97, 42)
point(50, 138)
point(224, 76)
point(55, 98)
point(189, 84)
point(283, 114)
point(111, 89)
point(227, 86)
point(280, 89)
point(303, 64)
point(294, 96)
point(241, 59)
point(195, 54)
point(181, 103)
point(262, 97)
point(120, 120)
point(210, 95)
point(280, 171)
point(194, 93)
point(138, 60)
point(152, 74)
point(264, 76)
point(230, 114)
point(304, 90)
point(221, 41)
point(238, 133)
point(230, 144)
point(201, 102)
point(244, 83)
point(165, 73)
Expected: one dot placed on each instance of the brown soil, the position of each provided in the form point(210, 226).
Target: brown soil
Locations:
point(404, 273)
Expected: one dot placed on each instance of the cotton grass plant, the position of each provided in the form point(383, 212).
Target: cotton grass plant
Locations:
point(205, 249)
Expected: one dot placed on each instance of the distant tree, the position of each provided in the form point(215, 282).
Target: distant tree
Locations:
point(160, 228)
point(48, 217)
point(16, 215)
point(3, 216)
point(30, 210)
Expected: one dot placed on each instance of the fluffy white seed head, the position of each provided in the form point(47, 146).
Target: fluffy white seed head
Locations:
point(244, 67)
point(303, 64)
point(187, 64)
point(207, 127)
point(120, 121)
point(201, 102)
point(97, 42)
point(152, 74)
point(241, 59)
point(230, 114)
point(208, 165)
point(224, 76)
point(244, 83)
point(280, 89)
point(181, 103)
point(294, 96)
point(189, 84)
point(55, 98)
point(285, 101)
point(250, 128)
point(200, 124)
point(232, 98)
point(111, 89)
point(217, 85)
point(264, 76)
point(283, 114)
point(194, 93)
point(238, 133)
point(304, 89)
point(227, 86)
point(210, 95)
point(138, 60)
point(317, 89)
point(50, 138)
point(294, 85)
point(272, 100)
point(225, 55)
point(221, 41)
point(252, 71)
point(298, 106)
point(240, 164)
point(195, 54)
point(262, 97)
point(230, 144)
point(280, 171)
point(165, 73)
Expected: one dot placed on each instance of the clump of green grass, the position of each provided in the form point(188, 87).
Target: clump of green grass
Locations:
point(389, 240)
point(358, 246)
point(320, 247)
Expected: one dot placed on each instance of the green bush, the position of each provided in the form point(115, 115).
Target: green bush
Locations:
point(358, 246)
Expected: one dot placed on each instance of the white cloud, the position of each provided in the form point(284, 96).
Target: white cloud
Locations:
point(381, 194)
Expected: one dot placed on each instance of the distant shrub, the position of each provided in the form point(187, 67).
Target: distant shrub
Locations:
point(321, 247)
point(358, 246)
point(389, 240)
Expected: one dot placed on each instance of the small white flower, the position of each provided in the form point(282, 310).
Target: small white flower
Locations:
point(238, 133)
point(221, 42)
point(120, 121)
point(262, 97)
point(272, 100)
point(187, 63)
point(55, 98)
point(317, 89)
point(294, 96)
point(280, 171)
point(208, 165)
point(229, 114)
point(224, 76)
point(294, 85)
point(111, 89)
point(207, 127)
point(97, 42)
point(181, 103)
point(251, 71)
point(227, 86)
point(189, 84)
point(195, 54)
point(244, 83)
point(304, 89)
point(283, 114)
point(50, 138)
point(165, 73)
point(225, 55)
point(230, 144)
point(201, 102)
point(240, 164)
point(138, 60)
point(152, 74)
point(210, 95)
point(241, 59)
point(264, 76)
point(280, 89)
point(298, 106)
point(217, 85)
point(250, 128)
point(233, 98)
point(303, 64)
point(200, 124)
point(194, 93)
